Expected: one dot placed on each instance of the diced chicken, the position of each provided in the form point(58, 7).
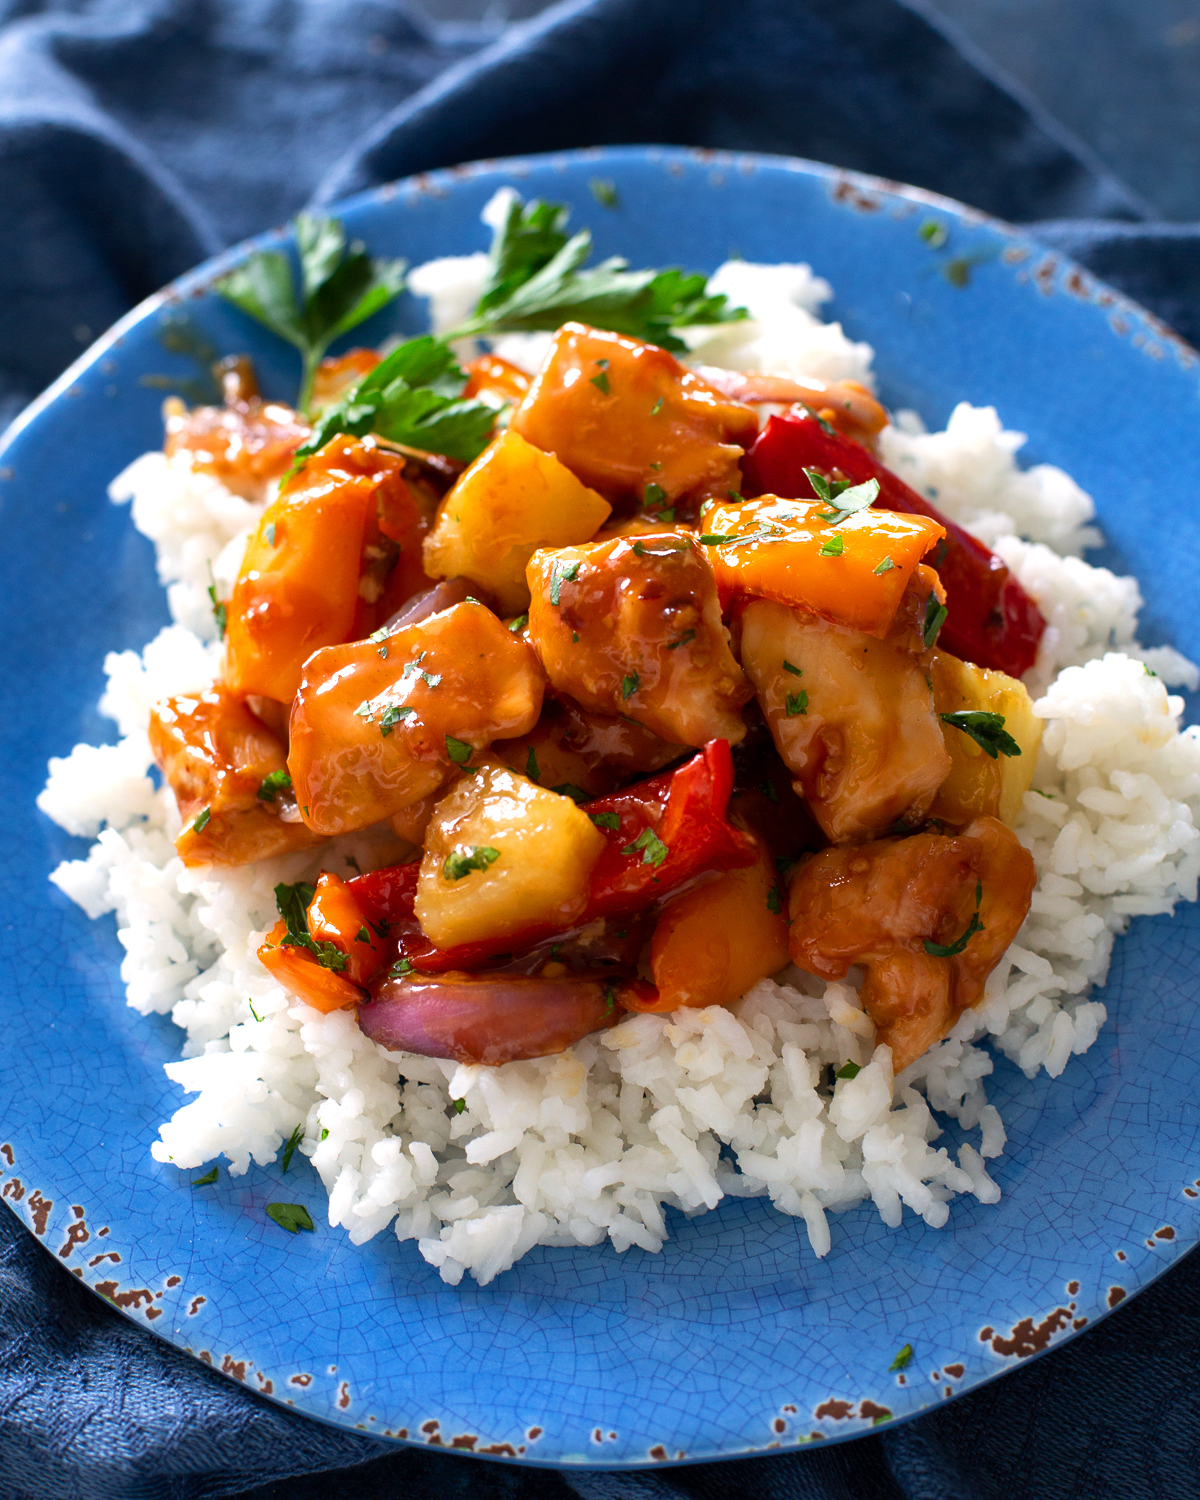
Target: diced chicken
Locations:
point(851, 715)
point(229, 777)
point(512, 500)
point(632, 423)
point(587, 752)
point(503, 856)
point(633, 627)
point(929, 917)
point(379, 724)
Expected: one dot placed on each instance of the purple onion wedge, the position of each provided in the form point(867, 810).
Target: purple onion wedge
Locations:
point(481, 1018)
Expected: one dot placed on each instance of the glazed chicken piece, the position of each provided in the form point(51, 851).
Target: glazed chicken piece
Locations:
point(633, 627)
point(246, 443)
point(379, 724)
point(632, 423)
point(929, 917)
point(335, 553)
point(586, 752)
point(851, 715)
point(229, 777)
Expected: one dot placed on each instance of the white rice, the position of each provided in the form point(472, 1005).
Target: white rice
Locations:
point(677, 1110)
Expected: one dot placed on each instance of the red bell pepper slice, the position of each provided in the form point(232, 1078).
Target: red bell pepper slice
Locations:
point(668, 830)
point(992, 621)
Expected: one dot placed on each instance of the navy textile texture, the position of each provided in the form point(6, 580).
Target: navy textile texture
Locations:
point(137, 137)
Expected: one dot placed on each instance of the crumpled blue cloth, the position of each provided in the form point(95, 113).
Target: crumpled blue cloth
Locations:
point(139, 136)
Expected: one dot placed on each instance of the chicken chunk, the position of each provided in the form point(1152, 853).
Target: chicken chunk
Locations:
point(633, 627)
point(570, 748)
point(379, 724)
point(230, 780)
point(632, 423)
point(929, 917)
point(246, 443)
point(851, 715)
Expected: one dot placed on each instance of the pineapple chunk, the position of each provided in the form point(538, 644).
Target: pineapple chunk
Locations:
point(512, 500)
point(501, 856)
point(978, 785)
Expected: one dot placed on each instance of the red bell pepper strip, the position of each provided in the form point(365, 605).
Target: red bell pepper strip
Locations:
point(658, 835)
point(992, 621)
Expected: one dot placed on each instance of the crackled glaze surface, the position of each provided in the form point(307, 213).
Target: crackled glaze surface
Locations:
point(735, 1338)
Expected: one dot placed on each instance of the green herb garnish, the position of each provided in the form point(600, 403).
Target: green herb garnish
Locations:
point(608, 820)
point(293, 1141)
point(885, 566)
point(986, 729)
point(773, 902)
point(934, 233)
point(794, 670)
point(399, 969)
point(200, 821)
point(903, 1359)
point(797, 703)
point(834, 547)
point(681, 640)
point(654, 496)
point(629, 686)
point(842, 497)
point(208, 1179)
point(290, 1216)
point(531, 766)
point(601, 382)
point(767, 787)
point(935, 618)
point(476, 857)
point(561, 573)
point(293, 902)
point(848, 1070)
point(652, 848)
point(458, 750)
point(392, 714)
point(519, 624)
point(220, 611)
point(952, 950)
point(604, 190)
point(340, 287)
point(610, 999)
point(274, 781)
point(657, 407)
point(269, 533)
point(459, 1105)
point(567, 789)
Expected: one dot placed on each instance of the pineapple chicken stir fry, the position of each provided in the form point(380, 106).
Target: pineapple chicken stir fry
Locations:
point(642, 733)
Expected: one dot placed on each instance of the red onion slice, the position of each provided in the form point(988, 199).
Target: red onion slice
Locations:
point(482, 1019)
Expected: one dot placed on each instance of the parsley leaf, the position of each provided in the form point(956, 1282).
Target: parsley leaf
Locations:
point(653, 496)
point(200, 821)
point(400, 968)
point(773, 902)
point(842, 497)
point(604, 190)
point(477, 857)
point(834, 547)
point(986, 729)
point(293, 1141)
point(532, 770)
point(539, 281)
point(561, 573)
point(566, 789)
point(629, 686)
point(608, 820)
point(340, 287)
point(274, 781)
point(767, 788)
point(519, 624)
point(935, 618)
point(220, 611)
point(794, 670)
point(652, 848)
point(848, 1070)
point(290, 1216)
point(208, 1179)
point(392, 715)
point(903, 1359)
point(601, 383)
point(952, 950)
point(885, 566)
point(459, 1105)
point(797, 703)
point(293, 902)
point(681, 640)
point(458, 750)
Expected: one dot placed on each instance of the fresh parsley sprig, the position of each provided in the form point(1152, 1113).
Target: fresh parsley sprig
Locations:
point(293, 902)
point(842, 498)
point(340, 287)
point(986, 729)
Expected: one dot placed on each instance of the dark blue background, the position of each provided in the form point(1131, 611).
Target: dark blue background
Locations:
point(138, 136)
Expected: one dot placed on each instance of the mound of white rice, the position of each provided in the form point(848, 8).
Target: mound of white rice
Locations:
point(680, 1109)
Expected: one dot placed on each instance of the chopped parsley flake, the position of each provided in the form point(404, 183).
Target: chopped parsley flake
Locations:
point(293, 902)
point(986, 729)
point(379, 635)
point(293, 1141)
point(561, 573)
point(651, 847)
point(654, 496)
point(208, 1179)
point(200, 821)
point(274, 781)
point(253, 1012)
point(767, 787)
point(362, 935)
point(903, 1359)
point(935, 618)
point(610, 999)
point(841, 496)
point(567, 789)
point(476, 857)
point(324, 1133)
point(952, 950)
point(604, 190)
point(797, 703)
point(609, 820)
point(629, 686)
point(1149, 670)
point(519, 623)
point(531, 766)
point(773, 902)
point(794, 670)
point(848, 1070)
point(934, 233)
point(392, 715)
point(834, 547)
point(601, 382)
point(399, 969)
point(885, 566)
point(269, 533)
point(716, 538)
point(290, 1216)
point(681, 640)
point(458, 750)
point(459, 1105)
point(657, 407)
point(219, 611)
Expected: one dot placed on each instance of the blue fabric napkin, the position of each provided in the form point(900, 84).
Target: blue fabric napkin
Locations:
point(137, 137)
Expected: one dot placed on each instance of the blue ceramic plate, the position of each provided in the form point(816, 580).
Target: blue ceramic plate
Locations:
point(735, 1338)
